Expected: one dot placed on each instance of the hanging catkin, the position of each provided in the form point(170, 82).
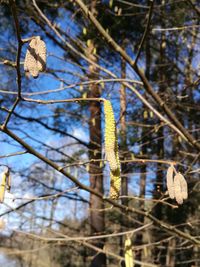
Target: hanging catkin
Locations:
point(170, 181)
point(177, 189)
point(128, 253)
point(115, 184)
point(3, 186)
point(115, 180)
point(184, 187)
point(35, 60)
point(110, 136)
point(111, 150)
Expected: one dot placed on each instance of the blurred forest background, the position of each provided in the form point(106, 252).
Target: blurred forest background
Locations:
point(58, 212)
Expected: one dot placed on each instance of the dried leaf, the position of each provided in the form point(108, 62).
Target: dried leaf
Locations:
point(184, 186)
point(41, 54)
point(177, 189)
point(35, 60)
point(119, 12)
point(170, 181)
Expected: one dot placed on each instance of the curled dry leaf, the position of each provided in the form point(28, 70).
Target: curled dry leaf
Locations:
point(170, 181)
point(41, 52)
point(184, 186)
point(35, 60)
point(177, 189)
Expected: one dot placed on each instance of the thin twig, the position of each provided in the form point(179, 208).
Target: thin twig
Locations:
point(175, 28)
point(11, 112)
point(20, 43)
point(161, 224)
point(13, 154)
point(146, 32)
point(126, 57)
point(64, 237)
point(46, 102)
point(190, 139)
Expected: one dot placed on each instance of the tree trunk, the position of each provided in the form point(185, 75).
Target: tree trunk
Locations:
point(97, 222)
point(124, 149)
point(143, 176)
point(160, 256)
point(170, 257)
point(123, 145)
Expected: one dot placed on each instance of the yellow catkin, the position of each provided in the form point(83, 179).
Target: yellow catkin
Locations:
point(110, 136)
point(115, 176)
point(111, 150)
point(170, 181)
point(3, 186)
point(8, 181)
point(177, 189)
point(115, 184)
point(2, 224)
point(128, 253)
point(35, 60)
point(184, 186)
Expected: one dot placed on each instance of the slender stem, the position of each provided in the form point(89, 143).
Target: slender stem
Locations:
point(146, 31)
point(143, 78)
point(158, 222)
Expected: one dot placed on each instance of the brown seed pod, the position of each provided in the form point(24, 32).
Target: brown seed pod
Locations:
point(170, 181)
point(177, 189)
point(184, 186)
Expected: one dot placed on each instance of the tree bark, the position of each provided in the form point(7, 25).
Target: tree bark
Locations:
point(143, 176)
point(97, 221)
point(160, 256)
